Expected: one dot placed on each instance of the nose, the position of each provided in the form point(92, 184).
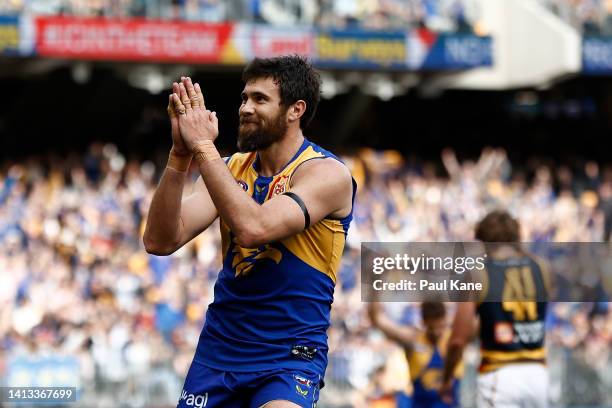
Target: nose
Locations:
point(246, 108)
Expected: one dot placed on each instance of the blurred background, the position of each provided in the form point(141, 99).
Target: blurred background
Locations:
point(443, 110)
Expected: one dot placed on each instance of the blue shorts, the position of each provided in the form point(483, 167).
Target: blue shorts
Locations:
point(206, 387)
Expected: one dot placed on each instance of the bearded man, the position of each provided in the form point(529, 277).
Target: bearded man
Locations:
point(284, 205)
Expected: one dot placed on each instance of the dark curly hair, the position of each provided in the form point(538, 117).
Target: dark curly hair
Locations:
point(296, 77)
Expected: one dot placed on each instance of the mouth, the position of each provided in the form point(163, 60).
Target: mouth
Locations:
point(248, 127)
point(245, 120)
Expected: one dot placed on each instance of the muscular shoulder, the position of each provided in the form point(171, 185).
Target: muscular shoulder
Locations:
point(329, 181)
point(324, 171)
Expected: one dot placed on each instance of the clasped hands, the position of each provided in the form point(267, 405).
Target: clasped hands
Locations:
point(193, 126)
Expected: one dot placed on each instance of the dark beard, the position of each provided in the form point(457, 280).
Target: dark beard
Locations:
point(261, 137)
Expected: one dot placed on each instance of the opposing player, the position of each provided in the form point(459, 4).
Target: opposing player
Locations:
point(424, 351)
point(285, 205)
point(512, 313)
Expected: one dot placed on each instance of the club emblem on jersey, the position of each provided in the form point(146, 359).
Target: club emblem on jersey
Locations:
point(303, 393)
point(246, 258)
point(302, 381)
point(243, 184)
point(431, 379)
point(504, 333)
point(279, 186)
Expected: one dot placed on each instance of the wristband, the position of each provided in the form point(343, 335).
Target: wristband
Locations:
point(205, 151)
point(177, 162)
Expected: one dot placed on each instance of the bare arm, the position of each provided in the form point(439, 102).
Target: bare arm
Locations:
point(403, 335)
point(324, 185)
point(462, 334)
point(281, 216)
point(451, 164)
point(173, 220)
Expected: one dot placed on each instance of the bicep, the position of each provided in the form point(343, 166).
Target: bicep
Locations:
point(322, 192)
point(326, 187)
point(197, 212)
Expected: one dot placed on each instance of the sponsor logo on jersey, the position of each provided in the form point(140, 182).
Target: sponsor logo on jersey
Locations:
point(504, 333)
point(195, 401)
point(299, 390)
point(279, 186)
point(432, 379)
point(243, 184)
point(302, 381)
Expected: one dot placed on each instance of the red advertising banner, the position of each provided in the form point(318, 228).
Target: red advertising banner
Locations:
point(270, 41)
point(133, 40)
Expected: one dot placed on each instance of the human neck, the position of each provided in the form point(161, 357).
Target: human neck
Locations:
point(502, 252)
point(277, 155)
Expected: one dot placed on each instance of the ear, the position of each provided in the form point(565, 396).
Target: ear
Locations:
point(296, 111)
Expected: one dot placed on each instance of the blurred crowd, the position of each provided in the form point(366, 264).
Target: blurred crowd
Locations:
point(402, 200)
point(438, 15)
point(591, 17)
point(76, 281)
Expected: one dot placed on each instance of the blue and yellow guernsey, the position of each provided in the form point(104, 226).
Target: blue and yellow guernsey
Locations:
point(270, 299)
point(426, 363)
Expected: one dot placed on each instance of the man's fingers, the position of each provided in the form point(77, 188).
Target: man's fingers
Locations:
point(171, 110)
point(198, 91)
point(178, 105)
point(191, 92)
point(172, 105)
point(184, 97)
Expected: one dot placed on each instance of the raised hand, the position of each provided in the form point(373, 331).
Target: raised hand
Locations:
point(178, 145)
point(196, 123)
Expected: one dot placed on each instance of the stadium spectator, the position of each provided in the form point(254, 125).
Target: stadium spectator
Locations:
point(76, 282)
point(590, 17)
point(436, 15)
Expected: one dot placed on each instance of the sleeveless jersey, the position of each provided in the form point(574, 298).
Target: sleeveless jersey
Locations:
point(512, 331)
point(272, 304)
point(426, 363)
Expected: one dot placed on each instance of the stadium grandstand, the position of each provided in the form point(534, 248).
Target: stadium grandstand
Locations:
point(454, 15)
point(439, 108)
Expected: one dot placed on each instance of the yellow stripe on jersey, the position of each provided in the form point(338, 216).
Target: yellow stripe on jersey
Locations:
point(238, 164)
point(422, 352)
point(319, 246)
point(421, 355)
point(492, 359)
point(308, 154)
